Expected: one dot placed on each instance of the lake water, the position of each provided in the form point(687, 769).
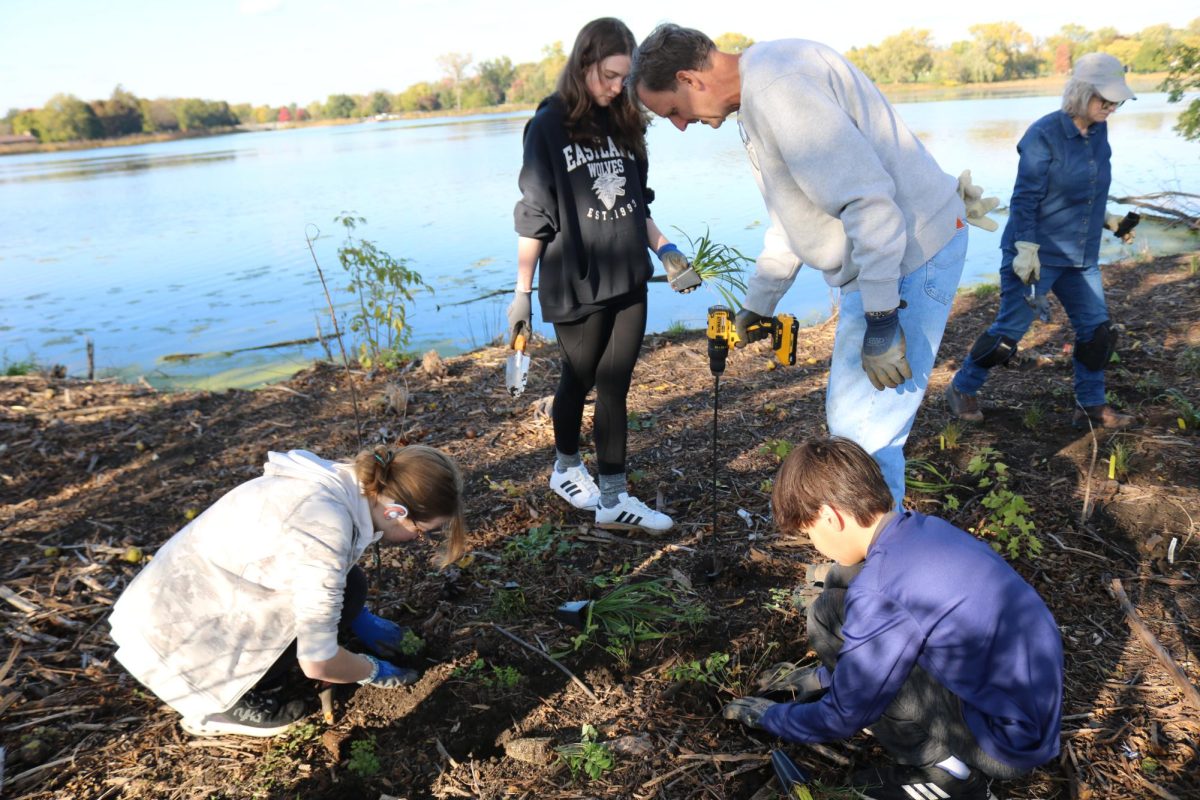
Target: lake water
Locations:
point(198, 246)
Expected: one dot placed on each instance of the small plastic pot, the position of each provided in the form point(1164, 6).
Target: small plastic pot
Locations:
point(573, 613)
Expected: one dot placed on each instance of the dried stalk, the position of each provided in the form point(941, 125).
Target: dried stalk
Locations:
point(337, 332)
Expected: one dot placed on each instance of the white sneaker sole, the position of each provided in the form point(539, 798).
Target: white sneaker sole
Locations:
point(210, 729)
point(574, 494)
point(618, 525)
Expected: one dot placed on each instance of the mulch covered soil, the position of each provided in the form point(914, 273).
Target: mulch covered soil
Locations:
point(94, 476)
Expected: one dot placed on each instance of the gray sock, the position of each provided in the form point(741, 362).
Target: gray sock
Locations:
point(611, 487)
point(563, 462)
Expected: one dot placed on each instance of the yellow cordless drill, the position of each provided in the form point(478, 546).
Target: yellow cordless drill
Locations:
point(722, 334)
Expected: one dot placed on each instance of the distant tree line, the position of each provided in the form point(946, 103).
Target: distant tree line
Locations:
point(66, 118)
point(997, 51)
point(1003, 51)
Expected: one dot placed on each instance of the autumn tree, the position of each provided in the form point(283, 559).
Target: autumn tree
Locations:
point(733, 42)
point(380, 102)
point(120, 115)
point(495, 78)
point(339, 106)
point(1007, 49)
point(454, 67)
point(1184, 60)
point(66, 118)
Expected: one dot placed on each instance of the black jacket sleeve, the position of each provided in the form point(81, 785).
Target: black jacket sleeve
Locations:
point(536, 213)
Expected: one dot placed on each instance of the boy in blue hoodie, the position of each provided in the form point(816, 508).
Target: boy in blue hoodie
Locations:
point(925, 635)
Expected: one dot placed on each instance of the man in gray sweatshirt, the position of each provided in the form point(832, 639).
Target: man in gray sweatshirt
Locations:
point(850, 191)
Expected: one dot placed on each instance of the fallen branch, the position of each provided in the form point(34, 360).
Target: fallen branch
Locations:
point(551, 659)
point(1190, 694)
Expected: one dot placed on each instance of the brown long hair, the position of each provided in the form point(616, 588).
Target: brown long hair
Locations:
point(423, 479)
point(596, 41)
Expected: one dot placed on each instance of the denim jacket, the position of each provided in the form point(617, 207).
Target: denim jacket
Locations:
point(1058, 201)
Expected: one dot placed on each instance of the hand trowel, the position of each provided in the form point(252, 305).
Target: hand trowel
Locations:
point(516, 369)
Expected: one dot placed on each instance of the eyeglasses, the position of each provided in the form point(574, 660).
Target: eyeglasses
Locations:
point(748, 144)
point(1109, 105)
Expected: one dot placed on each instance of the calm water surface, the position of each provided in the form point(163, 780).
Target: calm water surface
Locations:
point(199, 246)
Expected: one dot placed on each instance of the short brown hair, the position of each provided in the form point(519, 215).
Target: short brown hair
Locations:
point(831, 471)
point(423, 479)
point(668, 49)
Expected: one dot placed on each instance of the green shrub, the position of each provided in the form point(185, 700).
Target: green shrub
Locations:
point(383, 286)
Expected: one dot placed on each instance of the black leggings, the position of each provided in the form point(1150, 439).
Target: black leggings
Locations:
point(599, 350)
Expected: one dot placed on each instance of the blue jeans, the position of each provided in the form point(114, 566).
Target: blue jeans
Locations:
point(880, 421)
point(1081, 292)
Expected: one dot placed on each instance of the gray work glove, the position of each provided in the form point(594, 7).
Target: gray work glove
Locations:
point(751, 327)
point(520, 314)
point(977, 205)
point(1113, 222)
point(1026, 264)
point(387, 675)
point(747, 710)
point(883, 346)
point(787, 677)
point(680, 274)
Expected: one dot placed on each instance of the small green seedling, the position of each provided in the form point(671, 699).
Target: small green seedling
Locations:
point(1119, 455)
point(1006, 523)
point(780, 448)
point(1188, 417)
point(950, 436)
point(411, 644)
point(540, 541)
point(640, 422)
point(363, 761)
point(588, 757)
point(1034, 416)
point(712, 671)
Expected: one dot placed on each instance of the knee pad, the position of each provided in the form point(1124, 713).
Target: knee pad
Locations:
point(992, 351)
point(1095, 354)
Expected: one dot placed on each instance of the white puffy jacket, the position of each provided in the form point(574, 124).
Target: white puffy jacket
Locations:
point(225, 596)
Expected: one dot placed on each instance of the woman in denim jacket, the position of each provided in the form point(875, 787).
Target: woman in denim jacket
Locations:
point(1052, 241)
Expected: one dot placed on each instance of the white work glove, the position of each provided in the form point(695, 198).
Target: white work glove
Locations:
point(1113, 221)
point(977, 205)
point(1026, 264)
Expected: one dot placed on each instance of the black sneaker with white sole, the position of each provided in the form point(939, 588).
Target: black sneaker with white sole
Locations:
point(258, 713)
point(917, 783)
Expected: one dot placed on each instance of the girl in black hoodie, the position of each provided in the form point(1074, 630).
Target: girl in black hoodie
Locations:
point(584, 217)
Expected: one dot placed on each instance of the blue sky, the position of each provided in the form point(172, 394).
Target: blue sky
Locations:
point(279, 51)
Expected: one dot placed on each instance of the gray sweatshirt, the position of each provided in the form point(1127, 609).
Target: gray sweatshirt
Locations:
point(849, 189)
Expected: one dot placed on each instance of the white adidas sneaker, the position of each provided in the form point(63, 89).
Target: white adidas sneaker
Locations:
point(576, 487)
point(632, 514)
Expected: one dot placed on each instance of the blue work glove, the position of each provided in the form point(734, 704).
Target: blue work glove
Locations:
point(387, 675)
point(747, 710)
point(883, 350)
point(680, 274)
point(382, 637)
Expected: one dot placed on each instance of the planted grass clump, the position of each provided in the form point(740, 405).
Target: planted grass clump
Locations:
point(720, 265)
point(630, 614)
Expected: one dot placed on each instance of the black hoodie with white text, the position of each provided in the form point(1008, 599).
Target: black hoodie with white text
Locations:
point(588, 203)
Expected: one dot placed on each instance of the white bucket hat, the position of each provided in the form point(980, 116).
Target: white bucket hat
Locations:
point(1106, 74)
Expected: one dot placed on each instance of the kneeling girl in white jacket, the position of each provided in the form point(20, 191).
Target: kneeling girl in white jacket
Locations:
point(267, 577)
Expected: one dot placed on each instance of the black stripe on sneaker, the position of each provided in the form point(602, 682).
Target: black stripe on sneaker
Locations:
point(625, 518)
point(570, 488)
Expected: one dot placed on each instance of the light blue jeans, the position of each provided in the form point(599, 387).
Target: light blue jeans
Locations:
point(1081, 292)
point(880, 421)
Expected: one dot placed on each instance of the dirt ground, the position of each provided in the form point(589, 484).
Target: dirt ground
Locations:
point(95, 476)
